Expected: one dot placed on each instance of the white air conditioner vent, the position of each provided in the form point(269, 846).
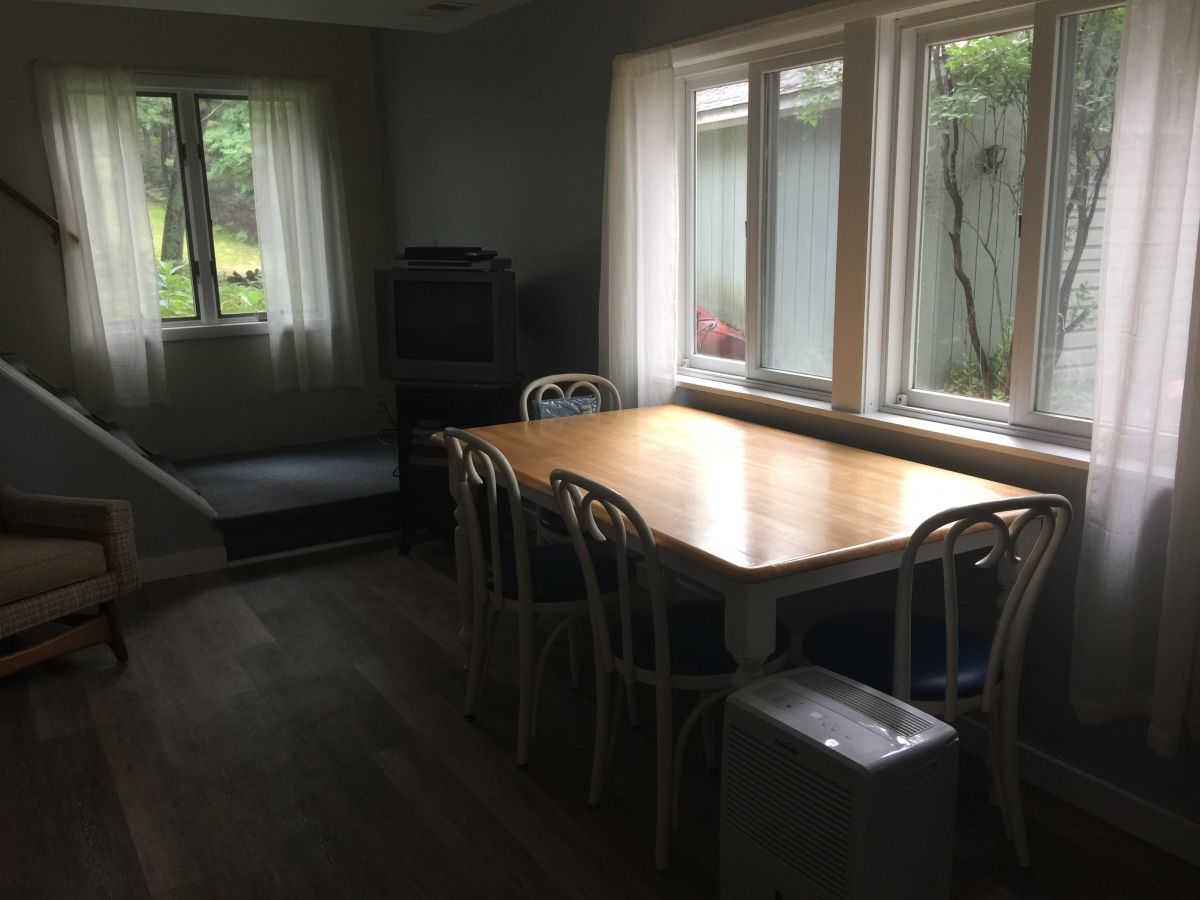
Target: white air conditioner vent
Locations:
point(760, 784)
point(827, 796)
point(850, 695)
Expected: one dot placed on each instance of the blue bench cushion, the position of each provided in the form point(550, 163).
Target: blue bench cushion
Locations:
point(562, 407)
point(556, 574)
point(859, 645)
point(696, 639)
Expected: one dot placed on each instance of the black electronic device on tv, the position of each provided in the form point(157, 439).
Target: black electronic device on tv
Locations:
point(452, 325)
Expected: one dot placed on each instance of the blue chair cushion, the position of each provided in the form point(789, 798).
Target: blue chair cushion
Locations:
point(696, 638)
point(859, 645)
point(557, 576)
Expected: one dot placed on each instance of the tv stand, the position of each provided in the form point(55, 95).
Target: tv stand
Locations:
point(425, 407)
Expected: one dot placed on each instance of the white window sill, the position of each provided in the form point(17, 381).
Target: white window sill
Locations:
point(1017, 445)
point(222, 330)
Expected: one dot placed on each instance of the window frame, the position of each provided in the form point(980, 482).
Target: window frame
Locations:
point(1020, 413)
point(751, 67)
point(730, 74)
point(185, 92)
point(758, 229)
point(911, 108)
point(874, 286)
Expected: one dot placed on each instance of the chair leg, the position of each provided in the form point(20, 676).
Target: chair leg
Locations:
point(712, 735)
point(1011, 781)
point(493, 621)
point(996, 768)
point(702, 711)
point(525, 685)
point(635, 717)
point(664, 777)
point(604, 719)
point(566, 624)
point(614, 726)
point(481, 622)
point(117, 641)
point(573, 644)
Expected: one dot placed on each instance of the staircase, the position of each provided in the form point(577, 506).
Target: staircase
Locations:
point(263, 503)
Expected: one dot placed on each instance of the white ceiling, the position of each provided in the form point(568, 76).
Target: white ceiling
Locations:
point(407, 15)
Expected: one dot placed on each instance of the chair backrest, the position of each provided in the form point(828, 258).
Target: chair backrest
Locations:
point(484, 486)
point(1049, 515)
point(579, 498)
point(565, 386)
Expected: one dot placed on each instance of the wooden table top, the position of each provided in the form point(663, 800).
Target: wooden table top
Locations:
point(746, 501)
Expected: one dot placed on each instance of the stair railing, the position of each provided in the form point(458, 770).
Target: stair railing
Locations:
point(55, 226)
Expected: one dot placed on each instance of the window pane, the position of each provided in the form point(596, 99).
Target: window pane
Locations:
point(1090, 44)
point(974, 160)
point(225, 130)
point(165, 202)
point(804, 126)
point(720, 208)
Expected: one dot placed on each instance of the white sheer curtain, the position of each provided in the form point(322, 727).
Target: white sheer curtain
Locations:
point(1137, 624)
point(90, 127)
point(311, 313)
point(639, 266)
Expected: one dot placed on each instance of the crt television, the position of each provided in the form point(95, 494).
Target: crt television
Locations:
point(454, 325)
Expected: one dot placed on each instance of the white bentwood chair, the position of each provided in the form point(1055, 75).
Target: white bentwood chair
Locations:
point(673, 646)
point(542, 398)
point(566, 386)
point(940, 667)
point(507, 574)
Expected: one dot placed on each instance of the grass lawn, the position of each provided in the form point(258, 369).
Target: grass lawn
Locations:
point(232, 255)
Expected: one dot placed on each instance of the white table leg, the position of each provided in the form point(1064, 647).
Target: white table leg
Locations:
point(749, 629)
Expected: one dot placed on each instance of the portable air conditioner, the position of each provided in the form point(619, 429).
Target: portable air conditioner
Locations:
point(834, 790)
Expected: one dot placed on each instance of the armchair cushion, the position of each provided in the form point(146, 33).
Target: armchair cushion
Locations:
point(31, 564)
point(108, 523)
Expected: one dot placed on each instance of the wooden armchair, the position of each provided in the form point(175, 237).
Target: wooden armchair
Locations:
point(60, 556)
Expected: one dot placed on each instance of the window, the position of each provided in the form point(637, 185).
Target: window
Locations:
point(778, 130)
point(990, 158)
point(1089, 45)
point(195, 147)
point(1011, 156)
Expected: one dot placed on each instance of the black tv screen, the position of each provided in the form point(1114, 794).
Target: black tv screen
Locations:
point(452, 325)
point(444, 321)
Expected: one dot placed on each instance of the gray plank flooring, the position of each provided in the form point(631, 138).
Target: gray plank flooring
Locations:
point(292, 729)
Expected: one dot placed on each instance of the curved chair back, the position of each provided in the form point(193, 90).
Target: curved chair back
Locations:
point(483, 483)
point(1049, 515)
point(565, 386)
point(580, 499)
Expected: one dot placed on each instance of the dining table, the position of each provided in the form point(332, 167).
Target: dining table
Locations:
point(753, 512)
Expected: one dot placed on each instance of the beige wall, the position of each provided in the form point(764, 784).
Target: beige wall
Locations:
point(221, 396)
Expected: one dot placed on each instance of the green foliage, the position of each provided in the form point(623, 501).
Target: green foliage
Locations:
point(992, 70)
point(242, 293)
point(225, 123)
point(175, 297)
point(156, 118)
point(965, 380)
point(817, 90)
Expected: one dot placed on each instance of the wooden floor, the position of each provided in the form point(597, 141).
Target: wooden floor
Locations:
point(292, 729)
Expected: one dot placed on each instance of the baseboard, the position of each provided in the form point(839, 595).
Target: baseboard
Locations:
point(189, 562)
point(315, 548)
point(1153, 824)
